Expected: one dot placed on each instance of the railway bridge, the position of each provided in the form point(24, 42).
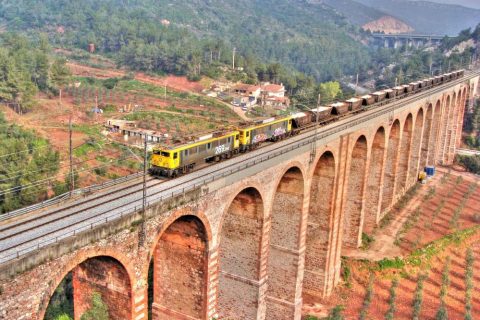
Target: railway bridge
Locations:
point(410, 40)
point(247, 238)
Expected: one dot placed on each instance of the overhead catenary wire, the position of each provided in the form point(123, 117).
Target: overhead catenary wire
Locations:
point(64, 166)
point(47, 180)
point(34, 149)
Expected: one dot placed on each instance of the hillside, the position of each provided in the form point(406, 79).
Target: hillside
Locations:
point(308, 37)
point(466, 3)
point(428, 17)
point(353, 11)
point(388, 24)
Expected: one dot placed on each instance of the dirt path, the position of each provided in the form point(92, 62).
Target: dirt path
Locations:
point(384, 245)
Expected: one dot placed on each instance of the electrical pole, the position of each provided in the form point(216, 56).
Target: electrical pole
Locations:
point(72, 176)
point(165, 91)
point(356, 85)
point(141, 236)
point(313, 152)
point(233, 58)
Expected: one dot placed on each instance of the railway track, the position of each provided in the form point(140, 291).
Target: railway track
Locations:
point(25, 235)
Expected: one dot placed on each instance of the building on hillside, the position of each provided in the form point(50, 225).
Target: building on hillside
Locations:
point(244, 102)
point(116, 125)
point(248, 90)
point(273, 96)
point(273, 90)
point(277, 103)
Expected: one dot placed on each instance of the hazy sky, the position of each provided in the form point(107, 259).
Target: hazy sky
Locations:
point(465, 3)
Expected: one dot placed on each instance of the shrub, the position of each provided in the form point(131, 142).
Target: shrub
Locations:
point(101, 171)
point(367, 240)
point(346, 273)
point(445, 279)
point(98, 309)
point(442, 313)
point(386, 263)
point(336, 313)
point(391, 301)
point(368, 297)
point(469, 284)
point(418, 297)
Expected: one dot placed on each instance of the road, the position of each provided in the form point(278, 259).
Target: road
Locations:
point(36, 230)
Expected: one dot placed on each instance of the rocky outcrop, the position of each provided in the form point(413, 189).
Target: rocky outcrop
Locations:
point(389, 25)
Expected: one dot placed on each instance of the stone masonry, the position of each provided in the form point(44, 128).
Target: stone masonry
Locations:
point(250, 246)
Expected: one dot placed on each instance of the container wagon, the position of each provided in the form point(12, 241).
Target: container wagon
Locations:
point(379, 96)
point(368, 100)
point(354, 104)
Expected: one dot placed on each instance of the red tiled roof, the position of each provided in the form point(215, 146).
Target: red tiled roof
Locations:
point(273, 88)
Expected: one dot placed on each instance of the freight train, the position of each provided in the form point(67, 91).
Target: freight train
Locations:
point(184, 156)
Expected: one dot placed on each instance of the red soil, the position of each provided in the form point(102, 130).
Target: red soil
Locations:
point(428, 228)
point(173, 82)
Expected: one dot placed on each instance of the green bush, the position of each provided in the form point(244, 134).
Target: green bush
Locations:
point(367, 240)
point(336, 313)
point(392, 300)
point(469, 284)
point(418, 297)
point(470, 163)
point(386, 263)
point(368, 297)
point(101, 171)
point(346, 274)
point(442, 313)
point(98, 309)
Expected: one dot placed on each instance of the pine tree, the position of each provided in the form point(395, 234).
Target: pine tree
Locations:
point(98, 310)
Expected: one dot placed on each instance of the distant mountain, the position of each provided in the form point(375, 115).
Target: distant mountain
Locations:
point(466, 3)
point(367, 17)
point(353, 11)
point(428, 17)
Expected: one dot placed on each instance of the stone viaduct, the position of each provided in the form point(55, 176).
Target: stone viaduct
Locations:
point(252, 244)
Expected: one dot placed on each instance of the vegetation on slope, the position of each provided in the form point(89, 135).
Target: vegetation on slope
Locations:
point(27, 67)
point(24, 159)
point(310, 38)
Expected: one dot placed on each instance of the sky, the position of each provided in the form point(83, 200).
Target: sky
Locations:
point(465, 3)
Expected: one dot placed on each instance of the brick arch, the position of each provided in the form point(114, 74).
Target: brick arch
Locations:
point(404, 156)
point(433, 148)
point(319, 258)
point(416, 148)
point(444, 127)
point(354, 205)
point(374, 188)
point(180, 270)
point(285, 225)
point(171, 219)
point(82, 257)
point(390, 169)
point(240, 251)
point(427, 136)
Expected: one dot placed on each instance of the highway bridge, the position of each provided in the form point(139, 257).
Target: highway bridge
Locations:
point(410, 40)
point(246, 238)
